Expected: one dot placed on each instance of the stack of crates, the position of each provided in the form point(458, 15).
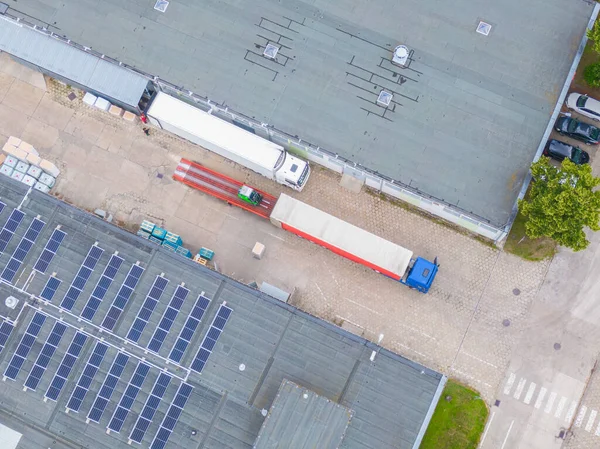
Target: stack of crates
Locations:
point(184, 252)
point(146, 229)
point(158, 235)
point(172, 241)
point(206, 253)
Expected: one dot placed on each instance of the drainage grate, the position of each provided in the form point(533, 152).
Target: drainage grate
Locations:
point(484, 28)
point(385, 98)
point(271, 51)
point(161, 5)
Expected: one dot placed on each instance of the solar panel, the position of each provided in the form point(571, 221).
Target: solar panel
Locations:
point(122, 297)
point(25, 345)
point(106, 391)
point(45, 355)
point(5, 329)
point(152, 403)
point(128, 398)
point(165, 323)
point(65, 367)
point(22, 249)
point(211, 337)
point(156, 291)
point(49, 251)
point(81, 278)
point(50, 288)
point(191, 324)
point(171, 417)
point(102, 287)
point(87, 376)
point(11, 225)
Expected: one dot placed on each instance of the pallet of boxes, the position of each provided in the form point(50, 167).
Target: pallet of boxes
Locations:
point(22, 162)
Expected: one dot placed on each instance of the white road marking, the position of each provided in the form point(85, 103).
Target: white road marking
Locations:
point(530, 392)
point(520, 387)
point(509, 383)
point(580, 416)
point(541, 396)
point(591, 420)
point(489, 424)
point(471, 377)
point(507, 433)
point(479, 360)
point(276, 236)
point(597, 432)
point(560, 407)
point(571, 412)
point(364, 307)
point(550, 402)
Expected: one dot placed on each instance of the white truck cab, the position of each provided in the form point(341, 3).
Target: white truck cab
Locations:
point(293, 172)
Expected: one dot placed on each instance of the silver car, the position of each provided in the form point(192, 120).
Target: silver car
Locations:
point(584, 105)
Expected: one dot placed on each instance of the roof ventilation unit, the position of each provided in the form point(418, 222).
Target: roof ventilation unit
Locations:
point(271, 51)
point(385, 98)
point(11, 302)
point(400, 56)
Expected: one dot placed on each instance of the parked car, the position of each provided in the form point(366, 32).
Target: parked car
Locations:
point(588, 134)
point(584, 105)
point(558, 150)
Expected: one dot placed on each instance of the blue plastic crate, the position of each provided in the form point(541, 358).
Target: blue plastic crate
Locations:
point(155, 240)
point(184, 252)
point(147, 226)
point(169, 246)
point(159, 233)
point(206, 253)
point(173, 238)
point(143, 233)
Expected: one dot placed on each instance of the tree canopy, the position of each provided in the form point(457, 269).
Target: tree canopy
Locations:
point(594, 35)
point(562, 202)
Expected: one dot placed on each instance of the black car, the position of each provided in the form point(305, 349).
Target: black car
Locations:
point(560, 150)
point(571, 127)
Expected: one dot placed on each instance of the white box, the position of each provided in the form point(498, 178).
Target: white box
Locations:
point(15, 141)
point(41, 187)
point(258, 251)
point(6, 170)
point(30, 181)
point(129, 116)
point(34, 172)
point(8, 148)
point(101, 103)
point(27, 147)
point(89, 99)
point(49, 168)
point(34, 159)
point(11, 161)
point(47, 179)
point(17, 175)
point(22, 167)
point(17, 152)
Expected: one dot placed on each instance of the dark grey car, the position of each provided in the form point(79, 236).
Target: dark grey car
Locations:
point(560, 151)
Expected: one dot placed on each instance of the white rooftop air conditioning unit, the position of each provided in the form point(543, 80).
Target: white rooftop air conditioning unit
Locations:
point(11, 302)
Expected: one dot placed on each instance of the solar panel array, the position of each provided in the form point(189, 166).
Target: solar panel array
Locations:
point(5, 330)
point(171, 417)
point(191, 324)
point(156, 291)
point(49, 251)
point(108, 387)
point(102, 287)
point(38, 370)
point(168, 318)
point(84, 273)
point(152, 403)
point(22, 249)
point(85, 380)
point(122, 297)
point(20, 355)
point(211, 337)
point(128, 398)
point(11, 225)
point(65, 367)
point(50, 288)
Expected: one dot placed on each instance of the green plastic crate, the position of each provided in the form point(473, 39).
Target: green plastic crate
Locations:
point(147, 226)
point(173, 238)
point(143, 233)
point(170, 246)
point(206, 253)
point(159, 233)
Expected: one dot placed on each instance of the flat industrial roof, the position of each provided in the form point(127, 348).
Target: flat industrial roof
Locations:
point(264, 342)
point(467, 115)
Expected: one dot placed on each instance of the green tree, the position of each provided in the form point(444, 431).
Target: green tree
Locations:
point(591, 74)
point(594, 35)
point(561, 203)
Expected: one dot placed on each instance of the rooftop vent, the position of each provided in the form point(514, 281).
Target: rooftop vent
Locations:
point(11, 302)
point(161, 5)
point(400, 56)
point(384, 99)
point(271, 51)
point(484, 28)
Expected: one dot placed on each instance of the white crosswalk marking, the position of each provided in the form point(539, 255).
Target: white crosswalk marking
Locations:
point(597, 432)
point(560, 407)
point(571, 412)
point(591, 420)
point(530, 392)
point(520, 387)
point(509, 383)
point(580, 416)
point(550, 402)
point(541, 396)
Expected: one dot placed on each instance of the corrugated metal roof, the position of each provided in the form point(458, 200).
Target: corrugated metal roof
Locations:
point(71, 63)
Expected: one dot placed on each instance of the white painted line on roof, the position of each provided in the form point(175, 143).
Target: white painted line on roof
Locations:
point(530, 392)
point(571, 412)
point(479, 360)
point(591, 419)
point(550, 402)
point(489, 424)
point(520, 387)
point(580, 416)
point(509, 383)
point(560, 407)
point(541, 396)
point(507, 434)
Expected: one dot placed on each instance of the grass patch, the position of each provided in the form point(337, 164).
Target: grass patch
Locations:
point(579, 85)
point(457, 423)
point(519, 244)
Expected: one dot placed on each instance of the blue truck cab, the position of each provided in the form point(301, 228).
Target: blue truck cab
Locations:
point(420, 274)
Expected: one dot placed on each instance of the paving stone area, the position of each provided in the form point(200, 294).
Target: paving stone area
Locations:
point(108, 163)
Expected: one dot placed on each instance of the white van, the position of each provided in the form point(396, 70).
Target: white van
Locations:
point(584, 105)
